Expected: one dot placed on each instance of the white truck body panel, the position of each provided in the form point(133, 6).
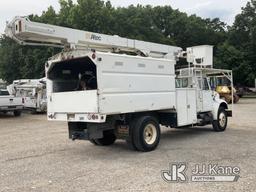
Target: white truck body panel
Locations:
point(202, 53)
point(73, 102)
point(186, 106)
point(207, 100)
point(126, 84)
point(29, 102)
point(132, 84)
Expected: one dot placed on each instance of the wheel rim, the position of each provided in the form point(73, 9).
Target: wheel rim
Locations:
point(222, 119)
point(150, 134)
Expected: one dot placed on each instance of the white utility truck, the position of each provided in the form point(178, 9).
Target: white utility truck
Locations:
point(109, 87)
point(33, 93)
point(9, 103)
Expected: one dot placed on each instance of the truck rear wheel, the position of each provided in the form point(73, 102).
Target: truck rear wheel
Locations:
point(130, 139)
point(220, 124)
point(109, 138)
point(146, 133)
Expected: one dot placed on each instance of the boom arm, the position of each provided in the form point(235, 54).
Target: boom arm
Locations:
point(26, 32)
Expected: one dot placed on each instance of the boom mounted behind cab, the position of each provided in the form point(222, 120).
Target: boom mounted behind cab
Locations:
point(105, 94)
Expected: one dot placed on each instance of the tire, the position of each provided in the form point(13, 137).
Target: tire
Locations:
point(146, 133)
point(17, 113)
point(130, 140)
point(109, 138)
point(220, 125)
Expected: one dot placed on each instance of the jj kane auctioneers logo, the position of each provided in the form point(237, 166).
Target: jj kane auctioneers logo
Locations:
point(178, 172)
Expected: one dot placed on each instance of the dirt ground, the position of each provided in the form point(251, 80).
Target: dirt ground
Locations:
point(36, 155)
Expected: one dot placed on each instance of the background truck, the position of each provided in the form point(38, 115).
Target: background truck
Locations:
point(222, 85)
point(9, 103)
point(109, 87)
point(33, 93)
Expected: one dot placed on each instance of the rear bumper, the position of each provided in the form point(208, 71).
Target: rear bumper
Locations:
point(11, 108)
point(229, 113)
point(77, 117)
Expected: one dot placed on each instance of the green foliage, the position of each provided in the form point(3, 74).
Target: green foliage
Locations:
point(235, 47)
point(240, 49)
point(19, 62)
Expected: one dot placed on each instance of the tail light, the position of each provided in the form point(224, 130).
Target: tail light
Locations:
point(23, 100)
point(93, 116)
point(93, 56)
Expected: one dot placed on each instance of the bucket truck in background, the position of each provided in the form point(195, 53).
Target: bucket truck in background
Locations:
point(33, 93)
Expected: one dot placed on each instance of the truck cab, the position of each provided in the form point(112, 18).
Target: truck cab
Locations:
point(201, 100)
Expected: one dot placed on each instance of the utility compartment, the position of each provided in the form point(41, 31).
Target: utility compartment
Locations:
point(186, 106)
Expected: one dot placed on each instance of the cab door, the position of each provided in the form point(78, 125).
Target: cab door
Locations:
point(207, 96)
point(204, 95)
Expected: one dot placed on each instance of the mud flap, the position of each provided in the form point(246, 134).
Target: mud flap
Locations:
point(229, 113)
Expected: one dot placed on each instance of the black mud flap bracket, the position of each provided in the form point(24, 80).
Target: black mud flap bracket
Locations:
point(229, 113)
point(79, 135)
point(77, 131)
point(87, 131)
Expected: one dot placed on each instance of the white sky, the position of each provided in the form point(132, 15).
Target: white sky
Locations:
point(225, 9)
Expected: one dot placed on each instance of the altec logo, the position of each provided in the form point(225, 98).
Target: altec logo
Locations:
point(93, 36)
point(96, 37)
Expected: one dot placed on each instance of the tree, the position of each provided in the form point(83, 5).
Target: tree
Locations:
point(10, 60)
point(242, 36)
point(235, 46)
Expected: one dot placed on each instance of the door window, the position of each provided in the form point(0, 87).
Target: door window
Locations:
point(205, 84)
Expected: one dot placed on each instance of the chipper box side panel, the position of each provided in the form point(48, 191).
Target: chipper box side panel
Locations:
point(125, 84)
point(133, 84)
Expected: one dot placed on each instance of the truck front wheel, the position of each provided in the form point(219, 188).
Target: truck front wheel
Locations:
point(109, 138)
point(220, 124)
point(146, 133)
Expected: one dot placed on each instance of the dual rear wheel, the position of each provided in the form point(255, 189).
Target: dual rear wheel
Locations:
point(144, 134)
